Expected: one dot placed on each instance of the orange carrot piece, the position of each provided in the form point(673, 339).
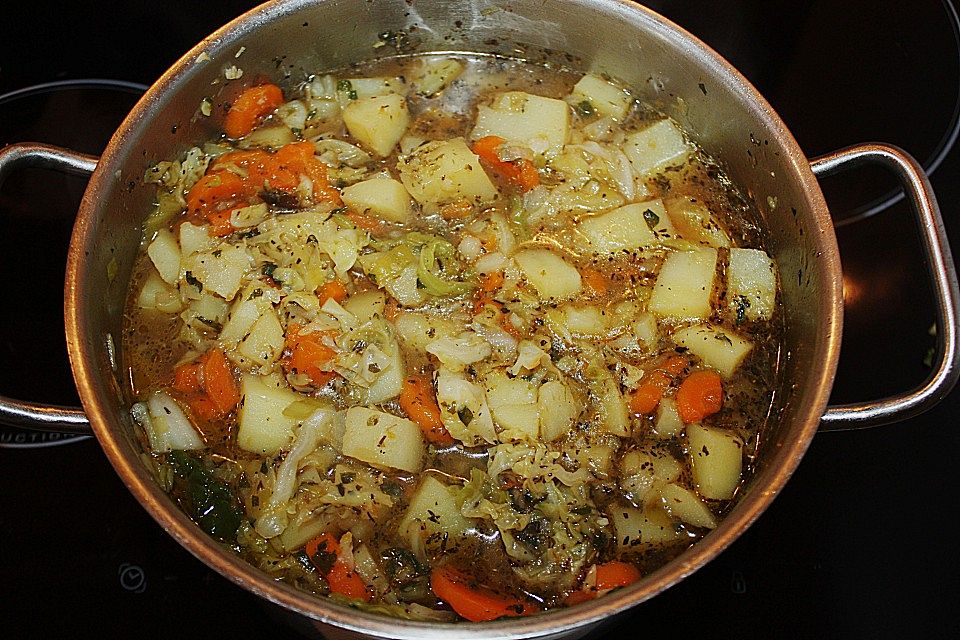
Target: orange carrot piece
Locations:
point(367, 223)
point(420, 403)
point(609, 575)
point(521, 172)
point(220, 224)
point(645, 398)
point(219, 381)
point(215, 191)
point(250, 107)
point(333, 289)
point(616, 573)
point(491, 282)
point(699, 395)
point(596, 283)
point(474, 601)
point(308, 354)
point(186, 377)
point(326, 554)
point(300, 158)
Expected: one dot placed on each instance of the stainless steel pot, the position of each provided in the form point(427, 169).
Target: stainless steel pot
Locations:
point(672, 69)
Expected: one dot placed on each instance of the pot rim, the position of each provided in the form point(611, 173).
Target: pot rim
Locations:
point(84, 348)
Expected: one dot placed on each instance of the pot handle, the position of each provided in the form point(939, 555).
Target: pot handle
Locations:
point(19, 413)
point(941, 269)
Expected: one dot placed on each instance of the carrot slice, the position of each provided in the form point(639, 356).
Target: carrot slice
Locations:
point(420, 403)
point(326, 554)
point(648, 394)
point(596, 283)
point(474, 601)
point(308, 354)
point(334, 289)
point(645, 398)
point(219, 382)
point(250, 107)
point(214, 192)
point(699, 395)
point(609, 575)
point(521, 172)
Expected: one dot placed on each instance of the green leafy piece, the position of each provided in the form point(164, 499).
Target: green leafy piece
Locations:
point(439, 269)
point(207, 500)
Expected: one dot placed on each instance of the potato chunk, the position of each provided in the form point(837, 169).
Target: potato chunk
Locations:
point(378, 122)
point(384, 198)
point(638, 529)
point(657, 147)
point(164, 252)
point(513, 403)
point(264, 429)
point(684, 285)
point(605, 97)
point(540, 123)
point(433, 510)
point(552, 276)
point(382, 439)
point(716, 459)
point(627, 228)
point(751, 285)
point(718, 348)
point(445, 171)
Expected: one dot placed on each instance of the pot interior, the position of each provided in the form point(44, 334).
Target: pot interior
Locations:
point(286, 42)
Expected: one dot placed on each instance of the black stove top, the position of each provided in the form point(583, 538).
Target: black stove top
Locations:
point(858, 545)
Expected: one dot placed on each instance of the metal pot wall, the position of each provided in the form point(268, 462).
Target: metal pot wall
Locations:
point(672, 70)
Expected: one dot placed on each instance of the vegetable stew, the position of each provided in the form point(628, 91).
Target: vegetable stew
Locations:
point(451, 337)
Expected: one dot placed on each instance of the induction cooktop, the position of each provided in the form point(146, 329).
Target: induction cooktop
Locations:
point(858, 545)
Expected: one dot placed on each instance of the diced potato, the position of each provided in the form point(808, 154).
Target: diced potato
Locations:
point(612, 409)
point(656, 147)
point(381, 197)
point(694, 223)
point(644, 330)
point(377, 122)
point(716, 459)
point(433, 510)
point(558, 410)
point(264, 343)
point(605, 97)
point(157, 294)
point(383, 440)
point(552, 276)
point(667, 423)
point(434, 75)
point(168, 427)
point(194, 238)
point(445, 171)
point(371, 87)
point(164, 252)
point(264, 428)
point(751, 285)
point(513, 403)
point(221, 270)
point(366, 305)
point(417, 330)
point(684, 285)
point(718, 348)
point(686, 506)
point(637, 529)
point(585, 320)
point(633, 226)
point(540, 123)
